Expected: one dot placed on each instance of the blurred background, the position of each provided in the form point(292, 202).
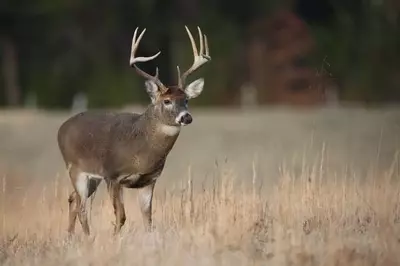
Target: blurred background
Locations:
point(270, 60)
point(56, 54)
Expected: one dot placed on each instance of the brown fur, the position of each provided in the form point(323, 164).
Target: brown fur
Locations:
point(172, 93)
point(107, 143)
point(115, 146)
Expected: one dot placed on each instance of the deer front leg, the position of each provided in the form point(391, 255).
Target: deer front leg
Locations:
point(116, 195)
point(145, 198)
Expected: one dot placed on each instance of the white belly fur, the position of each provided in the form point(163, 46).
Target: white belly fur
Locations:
point(83, 179)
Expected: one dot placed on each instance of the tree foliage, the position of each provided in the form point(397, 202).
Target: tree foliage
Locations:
point(65, 47)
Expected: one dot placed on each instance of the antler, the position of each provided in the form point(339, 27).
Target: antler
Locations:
point(199, 58)
point(133, 60)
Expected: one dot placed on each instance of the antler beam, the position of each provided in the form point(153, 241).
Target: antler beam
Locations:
point(199, 58)
point(133, 60)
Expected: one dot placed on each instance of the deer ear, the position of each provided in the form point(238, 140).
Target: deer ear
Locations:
point(195, 88)
point(152, 89)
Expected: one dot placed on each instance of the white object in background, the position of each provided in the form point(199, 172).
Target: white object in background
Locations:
point(79, 103)
point(248, 95)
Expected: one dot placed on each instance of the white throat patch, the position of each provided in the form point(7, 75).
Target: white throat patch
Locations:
point(170, 130)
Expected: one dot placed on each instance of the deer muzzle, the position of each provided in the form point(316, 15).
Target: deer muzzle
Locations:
point(184, 118)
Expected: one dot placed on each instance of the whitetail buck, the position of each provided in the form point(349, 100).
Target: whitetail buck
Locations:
point(127, 149)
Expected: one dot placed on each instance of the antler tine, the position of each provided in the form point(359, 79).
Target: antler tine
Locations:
point(179, 77)
point(133, 60)
point(201, 40)
point(156, 75)
point(199, 58)
point(195, 53)
point(206, 44)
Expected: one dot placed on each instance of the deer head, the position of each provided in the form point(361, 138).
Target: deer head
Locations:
point(170, 103)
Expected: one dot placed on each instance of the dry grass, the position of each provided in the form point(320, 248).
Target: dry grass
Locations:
point(311, 219)
point(333, 203)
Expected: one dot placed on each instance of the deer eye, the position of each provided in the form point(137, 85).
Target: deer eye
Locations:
point(167, 102)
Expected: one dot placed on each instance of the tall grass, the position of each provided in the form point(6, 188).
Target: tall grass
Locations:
point(309, 219)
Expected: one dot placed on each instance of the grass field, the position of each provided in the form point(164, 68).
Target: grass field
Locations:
point(271, 187)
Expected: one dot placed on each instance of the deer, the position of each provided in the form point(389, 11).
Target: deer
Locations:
point(128, 150)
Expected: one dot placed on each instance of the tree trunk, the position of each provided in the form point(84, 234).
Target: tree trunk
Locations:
point(10, 71)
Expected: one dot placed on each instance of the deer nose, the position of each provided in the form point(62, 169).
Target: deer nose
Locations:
point(185, 119)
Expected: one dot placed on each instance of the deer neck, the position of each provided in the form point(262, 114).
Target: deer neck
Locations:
point(156, 129)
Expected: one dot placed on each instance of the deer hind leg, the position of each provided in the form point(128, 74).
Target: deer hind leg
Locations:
point(73, 202)
point(145, 199)
point(84, 186)
point(116, 195)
